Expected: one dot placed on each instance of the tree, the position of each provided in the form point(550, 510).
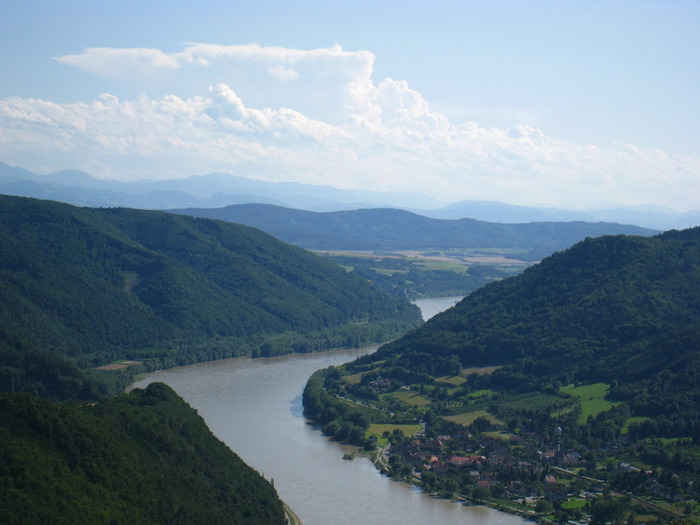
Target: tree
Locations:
point(481, 493)
point(397, 436)
point(608, 510)
point(543, 506)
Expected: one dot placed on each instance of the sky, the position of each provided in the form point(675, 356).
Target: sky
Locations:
point(564, 104)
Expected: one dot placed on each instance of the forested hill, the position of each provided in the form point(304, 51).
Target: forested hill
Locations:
point(392, 229)
point(622, 310)
point(84, 287)
point(141, 458)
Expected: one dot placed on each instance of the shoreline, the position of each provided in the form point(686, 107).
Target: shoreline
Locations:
point(379, 462)
point(123, 364)
point(291, 516)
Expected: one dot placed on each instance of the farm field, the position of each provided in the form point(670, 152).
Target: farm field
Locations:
point(591, 397)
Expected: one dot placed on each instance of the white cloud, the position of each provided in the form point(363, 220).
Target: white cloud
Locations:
point(284, 73)
point(120, 62)
point(317, 116)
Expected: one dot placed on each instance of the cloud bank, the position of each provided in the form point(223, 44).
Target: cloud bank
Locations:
point(317, 116)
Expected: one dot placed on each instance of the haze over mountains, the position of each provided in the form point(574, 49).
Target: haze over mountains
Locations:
point(220, 189)
point(84, 287)
point(382, 229)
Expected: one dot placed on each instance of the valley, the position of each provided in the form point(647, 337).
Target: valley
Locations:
point(561, 388)
point(429, 272)
point(303, 263)
point(553, 393)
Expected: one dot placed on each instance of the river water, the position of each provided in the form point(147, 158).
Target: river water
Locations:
point(434, 305)
point(254, 406)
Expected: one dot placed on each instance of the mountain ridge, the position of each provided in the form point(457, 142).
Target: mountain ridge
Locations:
point(221, 189)
point(577, 381)
point(98, 285)
point(386, 229)
point(142, 457)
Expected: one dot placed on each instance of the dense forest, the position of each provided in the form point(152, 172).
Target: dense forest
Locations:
point(86, 287)
point(619, 309)
point(143, 457)
point(137, 290)
point(585, 367)
point(391, 229)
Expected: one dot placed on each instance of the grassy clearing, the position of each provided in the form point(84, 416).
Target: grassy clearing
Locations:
point(410, 398)
point(499, 435)
point(467, 418)
point(632, 420)
point(562, 412)
point(573, 504)
point(479, 394)
point(669, 441)
point(497, 251)
point(482, 371)
point(388, 271)
point(119, 365)
point(430, 265)
point(131, 280)
point(535, 402)
point(591, 397)
point(379, 429)
point(593, 408)
point(355, 379)
point(452, 390)
point(451, 380)
point(587, 392)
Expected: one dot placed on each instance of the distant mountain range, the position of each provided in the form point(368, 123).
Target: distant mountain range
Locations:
point(654, 217)
point(391, 229)
point(220, 189)
point(207, 191)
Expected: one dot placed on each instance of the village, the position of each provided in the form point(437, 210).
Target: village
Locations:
point(527, 475)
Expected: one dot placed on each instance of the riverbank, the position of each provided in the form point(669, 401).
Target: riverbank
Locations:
point(380, 459)
point(254, 407)
point(429, 307)
point(291, 516)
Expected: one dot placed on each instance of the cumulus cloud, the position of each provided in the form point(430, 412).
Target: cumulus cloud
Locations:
point(317, 116)
point(284, 73)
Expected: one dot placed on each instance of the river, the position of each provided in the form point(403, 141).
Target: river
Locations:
point(434, 305)
point(254, 406)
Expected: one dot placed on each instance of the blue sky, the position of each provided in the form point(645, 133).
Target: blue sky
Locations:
point(565, 104)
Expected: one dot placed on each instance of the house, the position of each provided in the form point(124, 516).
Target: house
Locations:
point(497, 459)
point(459, 461)
point(626, 467)
point(572, 457)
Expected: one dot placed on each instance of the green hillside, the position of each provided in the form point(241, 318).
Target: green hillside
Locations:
point(623, 310)
point(85, 287)
point(406, 254)
point(140, 458)
point(391, 229)
point(587, 363)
